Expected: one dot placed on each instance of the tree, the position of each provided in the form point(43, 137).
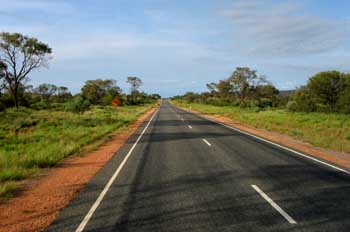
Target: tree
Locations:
point(21, 55)
point(242, 79)
point(303, 100)
point(224, 88)
point(135, 83)
point(100, 91)
point(46, 91)
point(343, 103)
point(2, 75)
point(213, 88)
point(325, 87)
point(155, 96)
point(190, 97)
point(63, 93)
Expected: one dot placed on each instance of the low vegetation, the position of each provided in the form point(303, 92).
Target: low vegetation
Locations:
point(33, 139)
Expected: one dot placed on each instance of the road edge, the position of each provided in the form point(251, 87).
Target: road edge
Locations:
point(308, 151)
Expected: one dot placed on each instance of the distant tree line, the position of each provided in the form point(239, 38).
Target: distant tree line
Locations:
point(20, 55)
point(325, 92)
point(244, 88)
point(94, 92)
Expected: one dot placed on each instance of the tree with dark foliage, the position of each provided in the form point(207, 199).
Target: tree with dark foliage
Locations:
point(19, 55)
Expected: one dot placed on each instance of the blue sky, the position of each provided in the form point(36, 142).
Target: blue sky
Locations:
point(179, 46)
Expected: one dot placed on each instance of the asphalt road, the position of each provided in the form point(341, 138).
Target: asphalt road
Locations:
point(186, 173)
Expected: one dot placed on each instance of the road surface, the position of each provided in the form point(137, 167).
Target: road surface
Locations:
point(181, 172)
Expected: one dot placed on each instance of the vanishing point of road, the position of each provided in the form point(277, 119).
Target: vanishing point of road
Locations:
point(182, 172)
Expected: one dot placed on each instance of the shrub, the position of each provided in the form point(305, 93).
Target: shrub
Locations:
point(78, 105)
point(265, 102)
point(324, 108)
point(57, 106)
point(253, 103)
point(344, 103)
point(41, 105)
point(324, 87)
point(2, 106)
point(292, 106)
point(304, 100)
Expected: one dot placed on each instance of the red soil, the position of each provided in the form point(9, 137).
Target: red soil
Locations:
point(42, 198)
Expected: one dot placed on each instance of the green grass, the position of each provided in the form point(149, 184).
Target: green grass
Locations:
point(30, 140)
point(330, 131)
point(7, 189)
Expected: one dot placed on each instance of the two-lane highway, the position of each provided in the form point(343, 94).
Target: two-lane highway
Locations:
point(181, 172)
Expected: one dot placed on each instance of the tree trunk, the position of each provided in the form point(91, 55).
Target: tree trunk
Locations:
point(15, 97)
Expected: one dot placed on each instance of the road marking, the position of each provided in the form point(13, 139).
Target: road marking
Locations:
point(206, 142)
point(110, 182)
point(274, 205)
point(189, 127)
point(276, 144)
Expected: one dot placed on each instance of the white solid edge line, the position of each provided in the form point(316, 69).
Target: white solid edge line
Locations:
point(278, 145)
point(110, 182)
point(189, 127)
point(206, 142)
point(274, 205)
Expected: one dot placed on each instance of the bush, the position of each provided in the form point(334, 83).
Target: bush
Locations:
point(292, 106)
point(2, 106)
point(325, 87)
point(243, 105)
point(78, 105)
point(253, 103)
point(57, 106)
point(107, 100)
point(344, 102)
point(265, 103)
point(218, 101)
point(41, 105)
point(323, 108)
point(304, 100)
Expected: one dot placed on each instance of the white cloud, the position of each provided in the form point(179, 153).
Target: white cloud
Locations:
point(284, 29)
point(109, 44)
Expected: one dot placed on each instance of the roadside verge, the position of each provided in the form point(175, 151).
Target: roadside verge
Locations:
point(39, 204)
point(339, 159)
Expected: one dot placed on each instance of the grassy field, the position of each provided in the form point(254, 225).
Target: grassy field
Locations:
point(330, 131)
point(30, 140)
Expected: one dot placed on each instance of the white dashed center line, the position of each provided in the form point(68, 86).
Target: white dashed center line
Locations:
point(206, 142)
point(274, 205)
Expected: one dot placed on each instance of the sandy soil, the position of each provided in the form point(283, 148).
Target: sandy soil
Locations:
point(338, 158)
point(41, 199)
